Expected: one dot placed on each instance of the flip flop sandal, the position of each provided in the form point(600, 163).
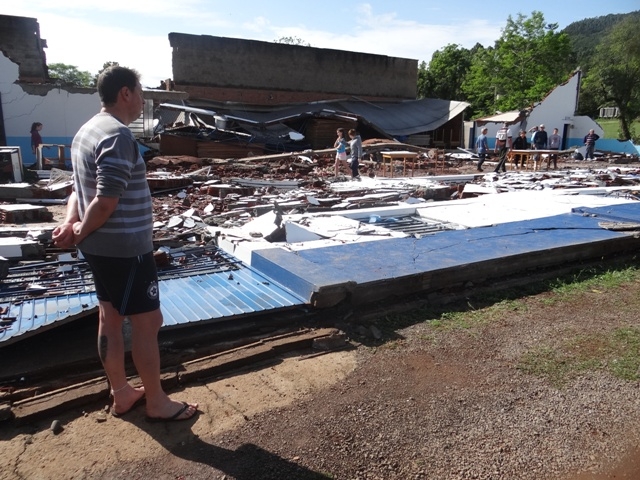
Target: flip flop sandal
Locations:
point(175, 416)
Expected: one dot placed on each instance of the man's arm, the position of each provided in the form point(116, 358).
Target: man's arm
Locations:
point(62, 235)
point(98, 212)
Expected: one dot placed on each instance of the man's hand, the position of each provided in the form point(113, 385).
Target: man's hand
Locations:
point(63, 236)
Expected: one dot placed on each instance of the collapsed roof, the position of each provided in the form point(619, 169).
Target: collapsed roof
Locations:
point(393, 119)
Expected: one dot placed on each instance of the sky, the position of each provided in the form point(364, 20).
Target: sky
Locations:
point(134, 33)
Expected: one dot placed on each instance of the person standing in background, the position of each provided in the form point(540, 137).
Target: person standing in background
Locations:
point(533, 130)
point(341, 149)
point(554, 144)
point(482, 147)
point(540, 139)
point(504, 143)
point(520, 143)
point(36, 139)
point(590, 142)
point(355, 146)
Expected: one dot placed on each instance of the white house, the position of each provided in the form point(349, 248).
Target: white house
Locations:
point(556, 110)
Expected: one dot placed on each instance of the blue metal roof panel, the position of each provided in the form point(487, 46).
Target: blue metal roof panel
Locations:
point(220, 296)
point(184, 300)
point(42, 313)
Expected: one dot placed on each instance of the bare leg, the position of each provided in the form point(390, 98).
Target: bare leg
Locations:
point(111, 351)
point(146, 356)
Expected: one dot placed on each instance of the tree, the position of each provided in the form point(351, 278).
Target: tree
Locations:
point(586, 35)
point(69, 75)
point(423, 80)
point(105, 65)
point(293, 41)
point(480, 85)
point(444, 75)
point(527, 61)
point(533, 59)
point(615, 75)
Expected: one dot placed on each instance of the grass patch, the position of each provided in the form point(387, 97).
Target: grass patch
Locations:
point(590, 281)
point(611, 126)
point(617, 352)
point(488, 307)
point(465, 320)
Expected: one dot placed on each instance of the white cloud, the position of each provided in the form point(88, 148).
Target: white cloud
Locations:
point(387, 35)
point(92, 45)
point(89, 33)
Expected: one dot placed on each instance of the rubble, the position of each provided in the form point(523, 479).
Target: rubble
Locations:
point(228, 202)
point(198, 199)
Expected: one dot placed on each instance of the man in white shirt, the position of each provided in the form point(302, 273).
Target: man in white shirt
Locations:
point(504, 143)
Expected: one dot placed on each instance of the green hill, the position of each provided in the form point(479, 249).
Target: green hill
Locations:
point(585, 35)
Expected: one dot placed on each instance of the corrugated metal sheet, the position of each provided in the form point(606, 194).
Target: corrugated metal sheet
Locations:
point(221, 296)
point(26, 317)
point(409, 117)
point(394, 118)
point(205, 287)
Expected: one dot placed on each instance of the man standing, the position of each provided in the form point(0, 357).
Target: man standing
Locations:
point(503, 145)
point(554, 144)
point(540, 139)
point(109, 218)
point(520, 143)
point(482, 147)
point(533, 130)
point(590, 141)
point(355, 146)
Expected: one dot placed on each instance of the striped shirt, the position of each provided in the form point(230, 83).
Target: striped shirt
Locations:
point(107, 162)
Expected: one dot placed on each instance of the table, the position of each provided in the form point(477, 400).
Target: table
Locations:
point(392, 155)
point(528, 154)
point(40, 160)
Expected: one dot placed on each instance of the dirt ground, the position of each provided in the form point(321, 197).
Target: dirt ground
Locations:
point(420, 403)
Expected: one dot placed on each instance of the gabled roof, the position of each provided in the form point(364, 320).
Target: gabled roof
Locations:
point(507, 117)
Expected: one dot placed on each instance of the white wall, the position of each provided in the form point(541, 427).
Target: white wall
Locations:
point(62, 113)
point(556, 110)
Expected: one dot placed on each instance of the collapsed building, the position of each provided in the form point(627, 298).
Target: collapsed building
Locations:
point(250, 218)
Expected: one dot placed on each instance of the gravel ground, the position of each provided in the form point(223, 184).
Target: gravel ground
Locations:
point(427, 403)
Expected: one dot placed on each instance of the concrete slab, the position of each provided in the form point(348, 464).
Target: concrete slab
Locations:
point(372, 271)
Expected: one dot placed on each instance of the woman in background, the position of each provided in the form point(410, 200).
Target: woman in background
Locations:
point(341, 149)
point(36, 139)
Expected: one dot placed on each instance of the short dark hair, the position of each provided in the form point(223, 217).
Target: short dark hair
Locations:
point(111, 81)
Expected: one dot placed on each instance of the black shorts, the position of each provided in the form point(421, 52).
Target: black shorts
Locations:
point(129, 284)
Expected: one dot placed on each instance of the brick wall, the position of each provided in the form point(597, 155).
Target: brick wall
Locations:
point(256, 72)
point(20, 41)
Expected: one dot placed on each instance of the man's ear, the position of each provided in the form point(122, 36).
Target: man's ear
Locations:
point(125, 92)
